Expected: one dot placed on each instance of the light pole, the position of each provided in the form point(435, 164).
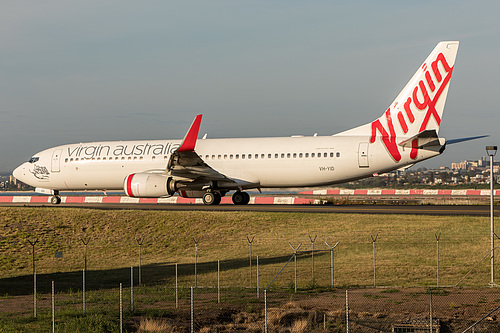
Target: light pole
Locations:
point(492, 150)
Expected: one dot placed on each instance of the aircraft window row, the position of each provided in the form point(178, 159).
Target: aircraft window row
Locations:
point(123, 158)
point(269, 156)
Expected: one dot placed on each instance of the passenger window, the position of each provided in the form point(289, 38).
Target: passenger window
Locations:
point(219, 157)
point(338, 154)
point(331, 154)
point(256, 156)
point(231, 156)
point(249, 156)
point(242, 156)
point(288, 155)
point(312, 155)
point(276, 155)
point(325, 155)
point(294, 155)
point(213, 157)
point(300, 155)
point(282, 155)
point(225, 157)
point(307, 155)
point(237, 156)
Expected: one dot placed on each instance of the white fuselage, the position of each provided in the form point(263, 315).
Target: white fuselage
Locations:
point(251, 163)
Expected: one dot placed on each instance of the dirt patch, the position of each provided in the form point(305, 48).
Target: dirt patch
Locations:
point(369, 310)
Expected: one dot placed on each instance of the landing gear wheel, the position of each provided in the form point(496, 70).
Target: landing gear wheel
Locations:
point(241, 198)
point(55, 200)
point(211, 198)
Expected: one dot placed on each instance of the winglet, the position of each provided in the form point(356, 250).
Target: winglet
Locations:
point(189, 141)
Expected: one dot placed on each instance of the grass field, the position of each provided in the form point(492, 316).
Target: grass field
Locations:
point(406, 247)
point(406, 253)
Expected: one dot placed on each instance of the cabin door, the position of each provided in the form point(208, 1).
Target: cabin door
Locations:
point(363, 155)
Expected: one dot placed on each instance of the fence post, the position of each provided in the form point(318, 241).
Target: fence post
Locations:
point(431, 310)
point(312, 256)
point(218, 281)
point(33, 243)
point(192, 311)
point(53, 309)
point(265, 310)
point(250, 242)
point(83, 296)
point(332, 273)
point(132, 288)
point(139, 241)
point(257, 276)
point(438, 235)
point(374, 239)
point(295, 260)
point(195, 261)
point(85, 240)
point(121, 308)
point(347, 310)
point(176, 288)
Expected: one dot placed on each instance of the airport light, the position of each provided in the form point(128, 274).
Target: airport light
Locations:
point(491, 151)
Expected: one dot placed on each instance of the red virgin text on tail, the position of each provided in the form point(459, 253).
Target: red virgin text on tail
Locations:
point(420, 100)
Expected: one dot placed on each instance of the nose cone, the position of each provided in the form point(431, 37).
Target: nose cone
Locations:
point(20, 172)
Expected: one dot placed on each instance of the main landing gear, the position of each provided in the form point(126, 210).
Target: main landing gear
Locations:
point(241, 198)
point(214, 198)
point(55, 199)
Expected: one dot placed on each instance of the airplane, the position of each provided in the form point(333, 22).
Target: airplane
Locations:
point(406, 133)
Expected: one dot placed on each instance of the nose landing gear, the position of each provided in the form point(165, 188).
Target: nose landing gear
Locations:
point(55, 199)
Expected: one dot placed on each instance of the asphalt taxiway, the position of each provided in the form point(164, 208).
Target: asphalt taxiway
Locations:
point(466, 210)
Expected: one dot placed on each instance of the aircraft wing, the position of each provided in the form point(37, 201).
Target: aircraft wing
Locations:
point(186, 164)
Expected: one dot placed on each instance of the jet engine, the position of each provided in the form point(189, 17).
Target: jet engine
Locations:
point(149, 185)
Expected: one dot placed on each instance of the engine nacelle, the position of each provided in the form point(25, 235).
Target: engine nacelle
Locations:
point(149, 185)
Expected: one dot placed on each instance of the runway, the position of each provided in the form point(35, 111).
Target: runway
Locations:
point(451, 210)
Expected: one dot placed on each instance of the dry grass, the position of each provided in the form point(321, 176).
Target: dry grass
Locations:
point(156, 325)
point(406, 246)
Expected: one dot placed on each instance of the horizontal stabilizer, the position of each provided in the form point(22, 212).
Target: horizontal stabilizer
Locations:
point(425, 139)
point(452, 141)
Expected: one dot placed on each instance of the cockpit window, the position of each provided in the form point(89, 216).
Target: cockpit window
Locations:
point(34, 159)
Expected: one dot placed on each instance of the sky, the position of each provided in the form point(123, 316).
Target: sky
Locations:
point(80, 71)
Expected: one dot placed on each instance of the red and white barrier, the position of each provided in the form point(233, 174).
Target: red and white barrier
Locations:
point(403, 192)
point(253, 200)
point(172, 200)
